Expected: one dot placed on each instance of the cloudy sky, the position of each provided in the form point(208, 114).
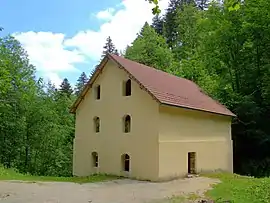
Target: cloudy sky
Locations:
point(65, 37)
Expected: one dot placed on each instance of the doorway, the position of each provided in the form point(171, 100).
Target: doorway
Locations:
point(192, 162)
point(125, 162)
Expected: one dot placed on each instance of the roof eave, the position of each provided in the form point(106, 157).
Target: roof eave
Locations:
point(202, 110)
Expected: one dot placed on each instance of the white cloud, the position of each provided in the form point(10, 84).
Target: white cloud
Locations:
point(106, 14)
point(123, 26)
point(48, 54)
point(51, 53)
point(54, 78)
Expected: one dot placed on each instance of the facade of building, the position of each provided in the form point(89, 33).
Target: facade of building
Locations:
point(136, 121)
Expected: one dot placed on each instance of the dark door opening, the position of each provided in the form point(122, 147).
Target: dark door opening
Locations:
point(192, 162)
point(125, 162)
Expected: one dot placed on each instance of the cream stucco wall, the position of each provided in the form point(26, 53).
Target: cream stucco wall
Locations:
point(141, 144)
point(183, 130)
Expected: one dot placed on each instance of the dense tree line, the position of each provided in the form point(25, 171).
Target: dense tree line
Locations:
point(224, 49)
point(36, 128)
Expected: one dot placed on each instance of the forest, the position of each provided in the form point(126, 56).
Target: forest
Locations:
point(221, 46)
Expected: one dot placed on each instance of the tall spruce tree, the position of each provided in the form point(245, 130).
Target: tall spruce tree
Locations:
point(158, 24)
point(109, 47)
point(81, 82)
point(65, 88)
point(170, 19)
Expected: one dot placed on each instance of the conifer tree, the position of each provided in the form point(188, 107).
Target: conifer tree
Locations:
point(170, 19)
point(66, 88)
point(158, 24)
point(109, 47)
point(81, 82)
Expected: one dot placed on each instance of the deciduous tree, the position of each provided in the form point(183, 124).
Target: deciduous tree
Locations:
point(151, 49)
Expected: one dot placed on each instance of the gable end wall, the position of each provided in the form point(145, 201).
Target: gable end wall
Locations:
point(141, 143)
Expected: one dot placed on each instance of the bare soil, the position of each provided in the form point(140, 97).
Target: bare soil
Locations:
point(118, 191)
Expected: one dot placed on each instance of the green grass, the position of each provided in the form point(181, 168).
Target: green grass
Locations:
point(240, 189)
point(235, 188)
point(10, 174)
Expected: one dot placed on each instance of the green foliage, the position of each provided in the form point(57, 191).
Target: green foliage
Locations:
point(156, 9)
point(151, 49)
point(232, 46)
point(233, 5)
point(225, 50)
point(171, 26)
point(36, 129)
point(240, 189)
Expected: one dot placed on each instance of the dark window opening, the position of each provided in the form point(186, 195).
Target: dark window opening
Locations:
point(127, 124)
point(192, 162)
point(97, 124)
point(98, 92)
point(125, 162)
point(127, 88)
point(94, 159)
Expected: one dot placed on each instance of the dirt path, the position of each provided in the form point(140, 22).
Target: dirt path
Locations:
point(119, 191)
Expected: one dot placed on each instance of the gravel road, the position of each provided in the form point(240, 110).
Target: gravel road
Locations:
point(118, 191)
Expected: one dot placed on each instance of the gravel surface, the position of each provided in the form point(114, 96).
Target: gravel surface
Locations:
point(118, 191)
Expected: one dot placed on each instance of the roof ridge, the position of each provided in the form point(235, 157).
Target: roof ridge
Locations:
point(152, 68)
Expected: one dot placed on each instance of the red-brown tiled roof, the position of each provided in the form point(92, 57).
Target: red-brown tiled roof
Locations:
point(170, 89)
point(165, 88)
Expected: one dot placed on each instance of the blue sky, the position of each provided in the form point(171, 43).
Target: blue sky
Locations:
point(64, 38)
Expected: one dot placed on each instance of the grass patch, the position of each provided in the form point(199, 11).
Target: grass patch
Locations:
point(233, 188)
point(11, 174)
point(240, 189)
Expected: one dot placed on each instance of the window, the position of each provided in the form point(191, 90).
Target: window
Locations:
point(94, 159)
point(127, 88)
point(125, 162)
point(97, 92)
point(127, 123)
point(97, 124)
